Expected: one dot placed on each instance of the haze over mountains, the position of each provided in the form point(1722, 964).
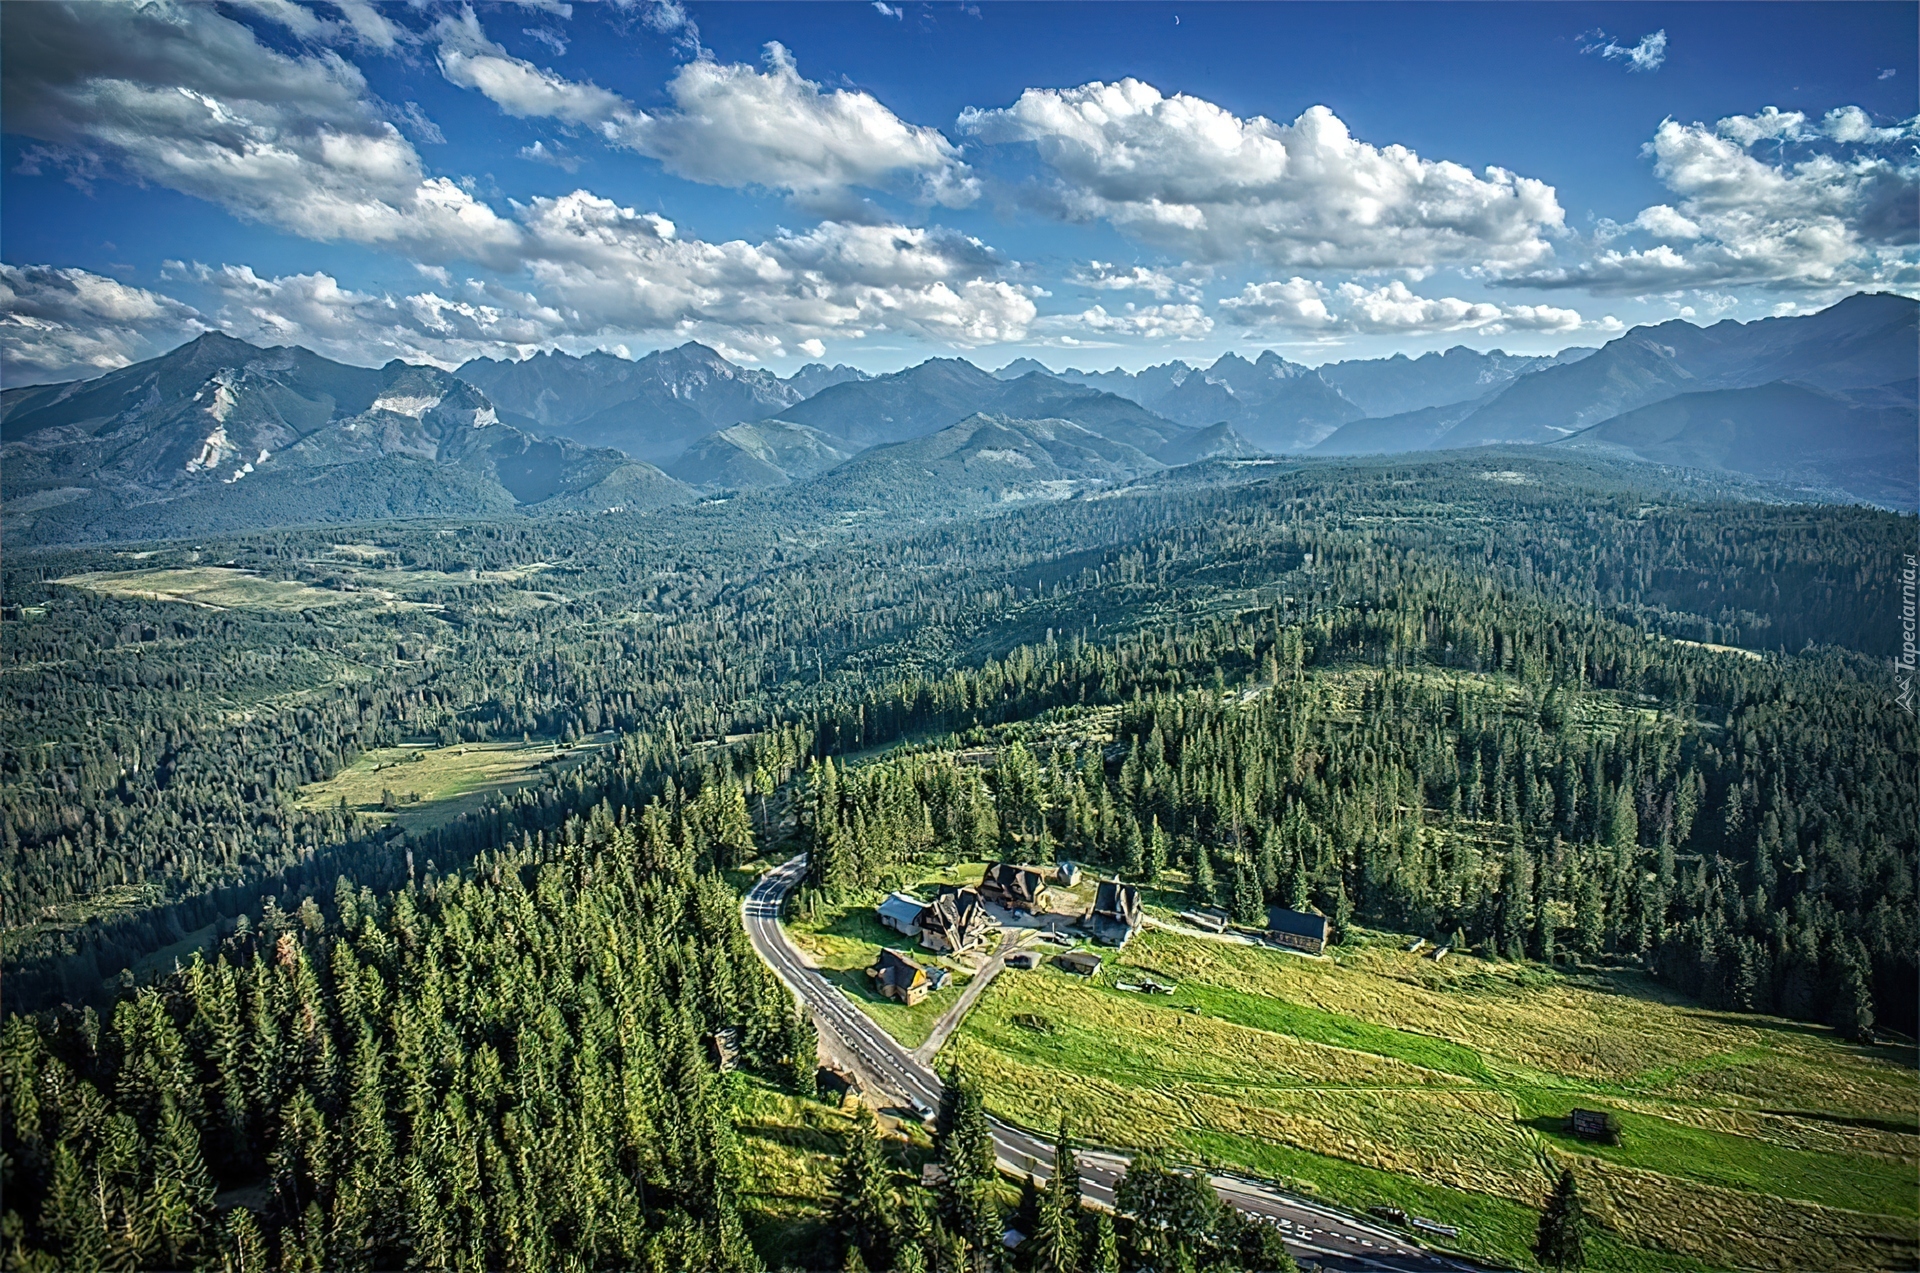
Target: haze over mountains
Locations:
point(219, 434)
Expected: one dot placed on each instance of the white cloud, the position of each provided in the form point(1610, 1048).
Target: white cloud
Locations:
point(889, 10)
point(58, 324)
point(1647, 55)
point(183, 97)
point(1183, 172)
point(730, 125)
point(1297, 302)
point(518, 87)
point(1828, 220)
point(669, 19)
point(1394, 308)
point(1145, 322)
point(1104, 276)
point(613, 268)
point(364, 23)
point(734, 125)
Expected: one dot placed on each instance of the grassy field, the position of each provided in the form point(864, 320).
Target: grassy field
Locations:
point(844, 941)
point(1381, 1078)
point(214, 587)
point(434, 785)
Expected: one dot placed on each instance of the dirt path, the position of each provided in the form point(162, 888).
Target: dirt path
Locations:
point(950, 1020)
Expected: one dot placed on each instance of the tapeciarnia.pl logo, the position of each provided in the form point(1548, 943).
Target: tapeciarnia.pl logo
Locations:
point(1903, 667)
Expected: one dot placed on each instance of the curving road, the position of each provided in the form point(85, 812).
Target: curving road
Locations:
point(1319, 1234)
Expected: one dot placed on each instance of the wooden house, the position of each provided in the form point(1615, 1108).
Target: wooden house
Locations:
point(1116, 915)
point(954, 921)
point(1297, 930)
point(898, 978)
point(901, 913)
point(1017, 888)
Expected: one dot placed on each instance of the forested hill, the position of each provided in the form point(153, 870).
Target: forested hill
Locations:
point(1552, 706)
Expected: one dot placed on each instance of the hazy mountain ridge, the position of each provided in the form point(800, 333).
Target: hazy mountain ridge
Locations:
point(221, 434)
point(651, 407)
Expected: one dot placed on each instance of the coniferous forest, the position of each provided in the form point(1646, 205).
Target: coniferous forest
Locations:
point(1566, 713)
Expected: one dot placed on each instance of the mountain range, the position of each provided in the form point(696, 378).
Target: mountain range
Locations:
point(220, 434)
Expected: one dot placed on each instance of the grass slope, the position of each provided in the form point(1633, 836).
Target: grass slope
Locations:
point(1380, 1078)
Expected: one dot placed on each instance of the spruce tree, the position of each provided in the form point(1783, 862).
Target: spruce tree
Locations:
point(863, 1202)
point(1056, 1234)
point(1560, 1241)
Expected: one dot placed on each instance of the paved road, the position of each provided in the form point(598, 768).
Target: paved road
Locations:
point(950, 1019)
point(1313, 1232)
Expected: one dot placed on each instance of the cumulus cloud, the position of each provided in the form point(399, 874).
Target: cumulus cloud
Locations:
point(1835, 213)
point(184, 97)
point(1297, 302)
point(613, 268)
point(735, 125)
point(56, 324)
point(1146, 322)
point(1647, 55)
point(1394, 308)
point(730, 125)
point(1104, 276)
point(1184, 173)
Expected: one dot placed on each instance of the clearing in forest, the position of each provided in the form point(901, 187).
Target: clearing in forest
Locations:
point(214, 588)
point(1379, 1078)
point(434, 785)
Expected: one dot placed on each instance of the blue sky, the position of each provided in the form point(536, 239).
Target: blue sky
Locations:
point(1093, 185)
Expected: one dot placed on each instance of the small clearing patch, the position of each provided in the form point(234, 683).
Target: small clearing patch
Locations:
point(213, 588)
point(434, 785)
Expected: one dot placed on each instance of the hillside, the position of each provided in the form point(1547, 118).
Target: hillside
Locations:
point(767, 453)
point(1861, 443)
point(221, 435)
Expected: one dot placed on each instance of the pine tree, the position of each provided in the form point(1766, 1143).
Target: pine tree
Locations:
point(1560, 1242)
point(1201, 890)
point(863, 1202)
point(1056, 1234)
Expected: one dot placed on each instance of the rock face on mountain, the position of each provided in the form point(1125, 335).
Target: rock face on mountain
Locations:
point(651, 407)
point(765, 454)
point(219, 434)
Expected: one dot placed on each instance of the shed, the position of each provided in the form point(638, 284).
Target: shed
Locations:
point(1082, 962)
point(1297, 930)
point(1594, 1124)
point(901, 912)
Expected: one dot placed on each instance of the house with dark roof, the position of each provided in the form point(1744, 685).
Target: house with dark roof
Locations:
point(901, 913)
point(1116, 915)
point(1297, 930)
point(1015, 887)
point(954, 921)
point(898, 978)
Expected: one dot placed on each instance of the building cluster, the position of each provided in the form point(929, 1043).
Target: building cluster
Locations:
point(959, 919)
